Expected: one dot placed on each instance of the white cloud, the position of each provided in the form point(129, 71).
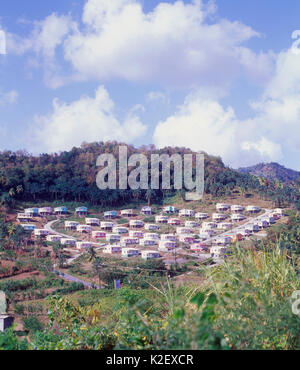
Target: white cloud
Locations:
point(47, 35)
point(9, 97)
point(176, 44)
point(157, 96)
point(173, 45)
point(271, 135)
point(2, 42)
point(87, 119)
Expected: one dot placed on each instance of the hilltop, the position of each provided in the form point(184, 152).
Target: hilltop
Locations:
point(272, 171)
point(70, 176)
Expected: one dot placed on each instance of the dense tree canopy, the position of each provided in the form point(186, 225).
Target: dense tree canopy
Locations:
point(71, 176)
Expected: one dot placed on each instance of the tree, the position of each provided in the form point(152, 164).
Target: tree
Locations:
point(91, 254)
point(97, 267)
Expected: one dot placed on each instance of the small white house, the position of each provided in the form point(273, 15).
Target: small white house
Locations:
point(151, 227)
point(201, 215)
point(245, 233)
point(113, 238)
point(223, 240)
point(136, 234)
point(207, 234)
point(136, 224)
point(237, 208)
point(130, 252)
point(110, 214)
point(128, 213)
point(161, 219)
point(98, 234)
point(107, 225)
point(198, 247)
point(174, 221)
point(41, 232)
point(218, 217)
point(147, 255)
point(280, 212)
point(263, 224)
point(53, 238)
point(111, 249)
point(92, 221)
point(170, 209)
point(146, 211)
point(71, 225)
point(222, 207)
point(84, 229)
point(224, 225)
point(23, 217)
point(81, 211)
point(154, 236)
point(148, 242)
point(253, 228)
point(45, 211)
point(28, 227)
point(217, 251)
point(183, 230)
point(68, 241)
point(170, 237)
point(270, 219)
point(120, 230)
point(191, 224)
point(83, 245)
point(31, 212)
point(253, 209)
point(237, 217)
point(209, 225)
point(187, 238)
point(166, 245)
point(127, 240)
point(186, 213)
point(60, 210)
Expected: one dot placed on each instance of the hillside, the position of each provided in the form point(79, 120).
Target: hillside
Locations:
point(71, 177)
point(272, 171)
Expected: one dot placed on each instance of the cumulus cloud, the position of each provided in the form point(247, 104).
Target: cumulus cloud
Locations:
point(87, 119)
point(175, 44)
point(9, 97)
point(47, 35)
point(272, 134)
point(157, 96)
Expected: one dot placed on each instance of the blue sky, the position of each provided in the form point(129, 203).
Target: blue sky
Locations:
point(219, 76)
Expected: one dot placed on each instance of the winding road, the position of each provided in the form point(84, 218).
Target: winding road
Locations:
point(66, 276)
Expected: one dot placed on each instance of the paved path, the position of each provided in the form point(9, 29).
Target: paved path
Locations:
point(76, 280)
point(66, 276)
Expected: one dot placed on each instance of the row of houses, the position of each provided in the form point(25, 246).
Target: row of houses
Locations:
point(237, 208)
point(131, 252)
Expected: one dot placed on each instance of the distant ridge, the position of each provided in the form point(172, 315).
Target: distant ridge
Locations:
point(272, 171)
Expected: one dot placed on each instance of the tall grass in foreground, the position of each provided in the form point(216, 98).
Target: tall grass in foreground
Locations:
point(244, 304)
point(254, 309)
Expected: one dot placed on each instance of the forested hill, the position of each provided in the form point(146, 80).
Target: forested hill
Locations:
point(71, 176)
point(272, 171)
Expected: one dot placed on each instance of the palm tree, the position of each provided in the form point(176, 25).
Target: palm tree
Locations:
point(97, 267)
point(92, 254)
point(149, 194)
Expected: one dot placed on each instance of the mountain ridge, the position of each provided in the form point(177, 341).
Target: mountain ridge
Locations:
point(272, 171)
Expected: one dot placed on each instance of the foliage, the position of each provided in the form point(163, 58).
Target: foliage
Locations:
point(10, 342)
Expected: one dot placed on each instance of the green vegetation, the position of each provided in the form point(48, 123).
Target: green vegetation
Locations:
point(70, 177)
point(243, 304)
